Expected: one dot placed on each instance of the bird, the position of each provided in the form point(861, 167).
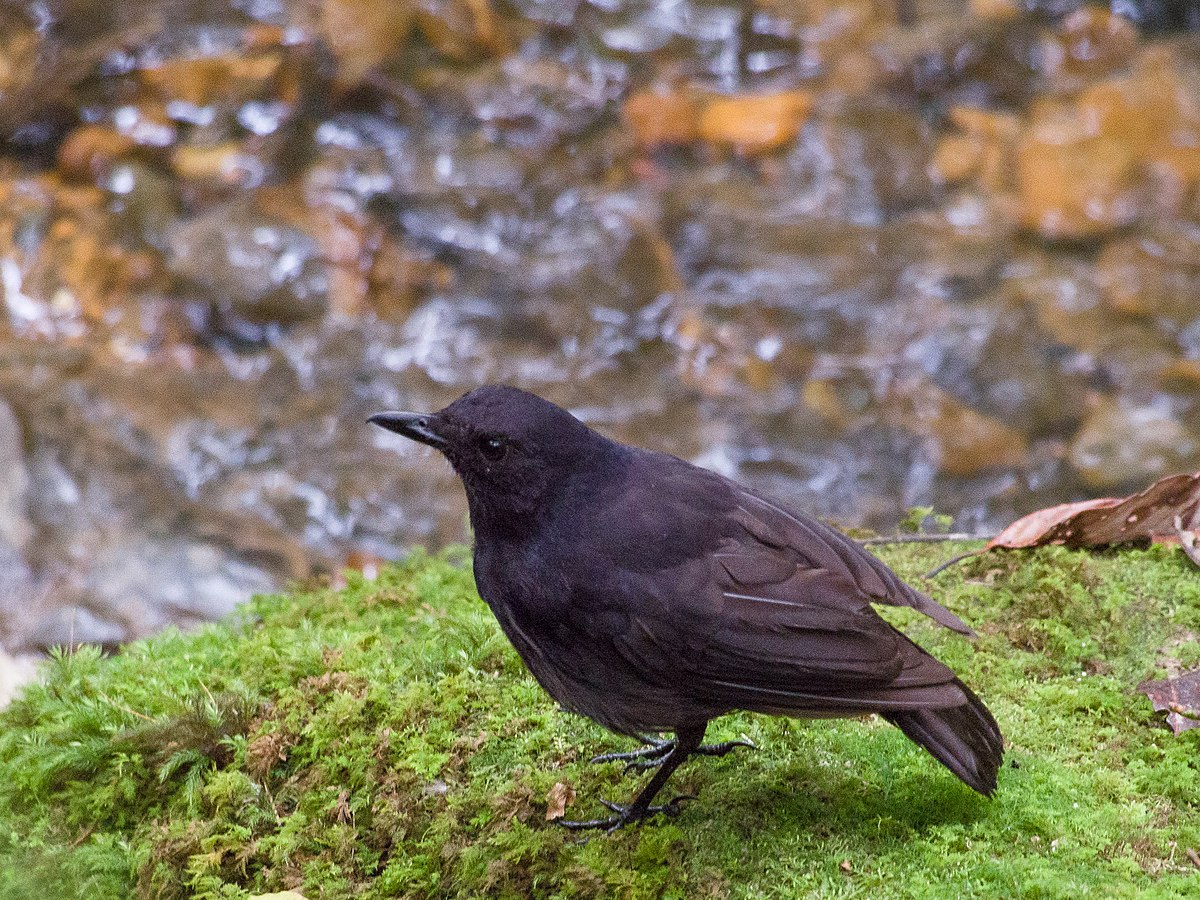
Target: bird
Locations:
point(653, 596)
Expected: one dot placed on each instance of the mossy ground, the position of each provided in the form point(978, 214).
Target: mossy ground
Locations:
point(385, 741)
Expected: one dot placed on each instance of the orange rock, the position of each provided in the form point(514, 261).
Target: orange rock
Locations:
point(197, 81)
point(1074, 189)
point(956, 158)
point(662, 117)
point(91, 150)
point(364, 33)
point(753, 124)
point(207, 80)
point(966, 442)
point(1084, 167)
point(226, 164)
point(841, 400)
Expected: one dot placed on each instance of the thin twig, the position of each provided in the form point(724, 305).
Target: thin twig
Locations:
point(937, 570)
point(925, 538)
point(211, 698)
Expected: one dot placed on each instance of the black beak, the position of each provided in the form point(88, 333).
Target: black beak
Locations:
point(420, 427)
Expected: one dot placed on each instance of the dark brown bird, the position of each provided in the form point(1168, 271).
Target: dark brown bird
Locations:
point(652, 595)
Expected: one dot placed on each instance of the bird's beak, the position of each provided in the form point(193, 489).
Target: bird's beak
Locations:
point(417, 426)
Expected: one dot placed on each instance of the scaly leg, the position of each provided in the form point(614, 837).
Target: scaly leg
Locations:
point(685, 743)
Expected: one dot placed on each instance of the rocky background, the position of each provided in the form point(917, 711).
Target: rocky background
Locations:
point(861, 254)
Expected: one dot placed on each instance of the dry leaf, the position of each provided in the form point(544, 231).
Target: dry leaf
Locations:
point(1187, 540)
point(1145, 517)
point(558, 799)
point(845, 866)
point(1179, 697)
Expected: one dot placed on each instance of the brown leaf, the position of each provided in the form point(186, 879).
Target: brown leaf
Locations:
point(1187, 540)
point(1144, 517)
point(558, 799)
point(1179, 697)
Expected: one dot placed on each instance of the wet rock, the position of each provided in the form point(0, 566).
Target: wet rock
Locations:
point(998, 361)
point(962, 60)
point(91, 151)
point(538, 102)
point(15, 529)
point(255, 268)
point(962, 441)
point(460, 30)
point(1156, 275)
point(1122, 444)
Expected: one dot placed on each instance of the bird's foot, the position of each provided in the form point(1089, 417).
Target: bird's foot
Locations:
point(654, 750)
point(627, 815)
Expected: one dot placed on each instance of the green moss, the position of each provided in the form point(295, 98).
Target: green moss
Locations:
point(384, 741)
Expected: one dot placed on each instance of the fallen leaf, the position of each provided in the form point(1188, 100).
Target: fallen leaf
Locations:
point(558, 799)
point(1179, 697)
point(1149, 516)
point(1187, 540)
point(845, 866)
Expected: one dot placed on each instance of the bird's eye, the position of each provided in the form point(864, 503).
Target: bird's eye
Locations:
point(493, 449)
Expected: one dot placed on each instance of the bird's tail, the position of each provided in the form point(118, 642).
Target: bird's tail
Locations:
point(965, 738)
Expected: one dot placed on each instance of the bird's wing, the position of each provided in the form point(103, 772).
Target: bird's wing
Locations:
point(818, 546)
point(776, 635)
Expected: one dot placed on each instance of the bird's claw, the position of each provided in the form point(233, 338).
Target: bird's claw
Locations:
point(628, 815)
point(723, 748)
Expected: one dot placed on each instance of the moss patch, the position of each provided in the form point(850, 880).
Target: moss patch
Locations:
point(385, 741)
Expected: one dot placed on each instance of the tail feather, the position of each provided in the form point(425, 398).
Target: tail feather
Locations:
point(965, 738)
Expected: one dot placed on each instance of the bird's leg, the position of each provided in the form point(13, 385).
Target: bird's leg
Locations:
point(685, 743)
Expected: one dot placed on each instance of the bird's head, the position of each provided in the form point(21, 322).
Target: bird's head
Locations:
point(512, 449)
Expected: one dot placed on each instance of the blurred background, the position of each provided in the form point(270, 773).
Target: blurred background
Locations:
point(861, 254)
